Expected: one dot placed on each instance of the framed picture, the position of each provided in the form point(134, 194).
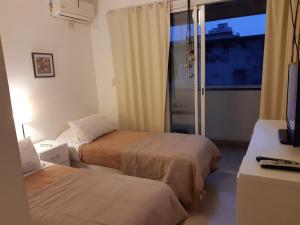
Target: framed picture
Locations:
point(43, 65)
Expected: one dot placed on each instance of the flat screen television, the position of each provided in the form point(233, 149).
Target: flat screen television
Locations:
point(292, 134)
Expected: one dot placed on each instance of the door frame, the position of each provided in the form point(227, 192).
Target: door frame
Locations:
point(203, 68)
point(199, 19)
point(196, 21)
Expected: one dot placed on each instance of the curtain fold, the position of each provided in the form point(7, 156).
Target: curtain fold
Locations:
point(140, 38)
point(277, 56)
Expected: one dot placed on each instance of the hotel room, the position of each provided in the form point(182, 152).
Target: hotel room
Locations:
point(149, 112)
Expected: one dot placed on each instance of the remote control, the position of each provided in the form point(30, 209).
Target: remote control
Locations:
point(280, 165)
point(259, 158)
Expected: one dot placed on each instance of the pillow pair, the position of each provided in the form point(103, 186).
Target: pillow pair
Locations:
point(92, 127)
point(29, 157)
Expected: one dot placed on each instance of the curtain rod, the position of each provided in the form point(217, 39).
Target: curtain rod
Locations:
point(176, 5)
point(181, 5)
point(140, 5)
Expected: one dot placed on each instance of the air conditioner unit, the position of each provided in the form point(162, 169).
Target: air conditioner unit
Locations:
point(75, 10)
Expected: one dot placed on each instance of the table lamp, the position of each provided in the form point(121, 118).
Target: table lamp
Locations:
point(21, 111)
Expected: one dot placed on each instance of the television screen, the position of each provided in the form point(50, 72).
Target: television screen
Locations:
point(292, 98)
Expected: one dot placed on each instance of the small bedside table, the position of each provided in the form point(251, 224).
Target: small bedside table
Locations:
point(50, 151)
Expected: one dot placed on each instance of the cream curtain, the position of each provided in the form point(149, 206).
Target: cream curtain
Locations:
point(140, 48)
point(277, 56)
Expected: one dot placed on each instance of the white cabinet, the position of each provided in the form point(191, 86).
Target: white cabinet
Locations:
point(50, 151)
point(264, 196)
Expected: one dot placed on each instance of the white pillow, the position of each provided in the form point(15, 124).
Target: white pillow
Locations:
point(66, 136)
point(29, 157)
point(89, 128)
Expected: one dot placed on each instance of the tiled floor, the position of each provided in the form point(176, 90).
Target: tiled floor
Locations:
point(219, 205)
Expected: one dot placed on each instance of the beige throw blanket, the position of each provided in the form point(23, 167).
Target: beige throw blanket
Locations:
point(105, 199)
point(181, 161)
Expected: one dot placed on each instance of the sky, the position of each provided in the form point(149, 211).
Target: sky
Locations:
point(245, 26)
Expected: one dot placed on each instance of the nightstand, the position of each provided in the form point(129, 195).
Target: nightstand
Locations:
point(53, 152)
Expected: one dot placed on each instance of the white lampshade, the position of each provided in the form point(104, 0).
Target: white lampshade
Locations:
point(21, 109)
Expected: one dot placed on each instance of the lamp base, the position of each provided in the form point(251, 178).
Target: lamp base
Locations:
point(23, 130)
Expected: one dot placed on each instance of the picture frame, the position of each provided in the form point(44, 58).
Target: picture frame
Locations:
point(43, 65)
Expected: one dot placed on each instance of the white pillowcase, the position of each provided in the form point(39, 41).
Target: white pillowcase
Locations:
point(29, 157)
point(90, 128)
point(66, 136)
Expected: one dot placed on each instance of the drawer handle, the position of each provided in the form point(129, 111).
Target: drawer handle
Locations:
point(55, 157)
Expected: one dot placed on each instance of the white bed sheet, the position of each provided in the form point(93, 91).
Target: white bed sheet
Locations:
point(43, 166)
point(73, 143)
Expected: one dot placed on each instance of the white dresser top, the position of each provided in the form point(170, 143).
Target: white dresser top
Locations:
point(52, 144)
point(265, 142)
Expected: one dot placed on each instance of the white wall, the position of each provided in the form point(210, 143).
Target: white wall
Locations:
point(25, 27)
point(107, 95)
point(13, 204)
point(231, 115)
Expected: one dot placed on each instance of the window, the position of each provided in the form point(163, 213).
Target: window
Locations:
point(234, 52)
point(234, 48)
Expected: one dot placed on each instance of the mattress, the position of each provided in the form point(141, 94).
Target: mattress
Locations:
point(60, 195)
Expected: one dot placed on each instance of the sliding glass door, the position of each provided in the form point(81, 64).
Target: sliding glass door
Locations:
point(184, 70)
point(205, 51)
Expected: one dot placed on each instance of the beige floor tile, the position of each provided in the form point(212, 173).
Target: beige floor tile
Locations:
point(219, 204)
point(218, 217)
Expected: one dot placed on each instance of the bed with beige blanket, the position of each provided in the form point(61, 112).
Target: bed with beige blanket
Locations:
point(182, 161)
point(66, 196)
